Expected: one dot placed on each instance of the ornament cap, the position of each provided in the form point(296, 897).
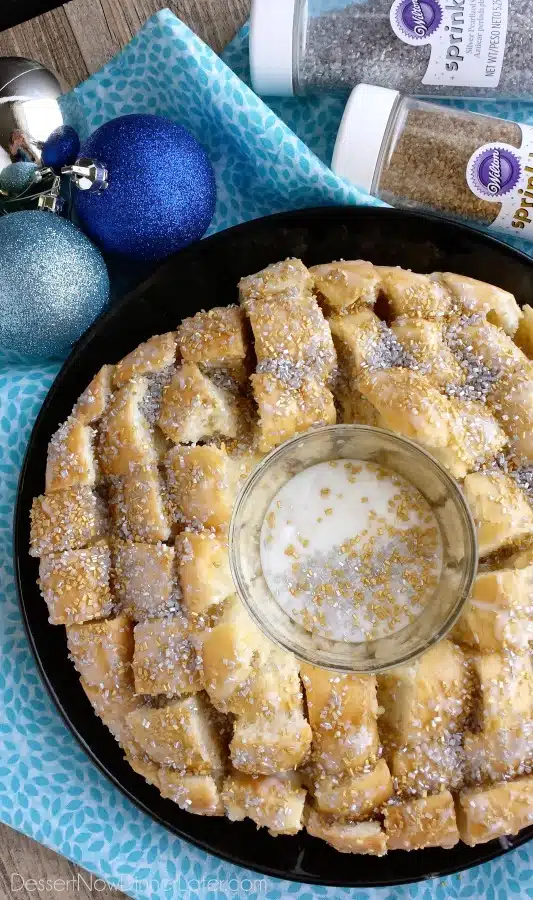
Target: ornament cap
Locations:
point(88, 174)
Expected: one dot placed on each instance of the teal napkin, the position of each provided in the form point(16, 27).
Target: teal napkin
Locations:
point(267, 159)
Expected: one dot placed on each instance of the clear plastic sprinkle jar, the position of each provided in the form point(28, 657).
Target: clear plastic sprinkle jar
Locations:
point(445, 48)
point(396, 455)
point(433, 158)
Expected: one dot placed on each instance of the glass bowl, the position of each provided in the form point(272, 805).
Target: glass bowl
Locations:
point(400, 456)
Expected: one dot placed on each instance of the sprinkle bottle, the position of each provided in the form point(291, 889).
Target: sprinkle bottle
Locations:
point(431, 158)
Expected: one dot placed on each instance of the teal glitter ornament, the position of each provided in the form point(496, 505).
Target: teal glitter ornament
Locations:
point(146, 187)
point(17, 178)
point(53, 283)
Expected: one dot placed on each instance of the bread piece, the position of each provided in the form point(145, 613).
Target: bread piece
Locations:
point(511, 402)
point(425, 700)
point(413, 295)
point(165, 661)
point(497, 614)
point(126, 441)
point(428, 767)
point(138, 508)
point(357, 338)
point(184, 735)
point(271, 802)
point(289, 275)
point(198, 794)
point(409, 404)
point(499, 306)
point(353, 796)
point(228, 651)
point(102, 651)
point(217, 339)
point(75, 584)
point(523, 337)
point(501, 754)
point(113, 707)
point(344, 287)
point(347, 837)
point(486, 813)
point(267, 745)
point(427, 822)
point(150, 358)
point(193, 408)
point(505, 690)
point(475, 437)
point(144, 766)
point(202, 486)
point(500, 509)
point(66, 520)
point(342, 710)
point(423, 339)
point(272, 688)
point(92, 403)
point(490, 344)
point(70, 459)
point(144, 579)
point(285, 411)
point(203, 570)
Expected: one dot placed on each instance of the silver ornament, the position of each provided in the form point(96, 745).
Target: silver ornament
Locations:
point(29, 109)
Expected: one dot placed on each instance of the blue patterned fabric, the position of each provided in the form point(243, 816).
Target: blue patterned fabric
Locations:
point(48, 787)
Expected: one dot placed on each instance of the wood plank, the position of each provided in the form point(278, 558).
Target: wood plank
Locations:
point(49, 39)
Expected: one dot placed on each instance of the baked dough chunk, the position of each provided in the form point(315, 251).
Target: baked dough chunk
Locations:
point(92, 403)
point(113, 707)
point(353, 796)
point(357, 338)
point(150, 358)
point(499, 306)
point(426, 822)
point(291, 335)
point(505, 689)
point(202, 486)
point(272, 802)
point(285, 411)
point(492, 347)
point(217, 339)
point(203, 570)
point(144, 579)
point(342, 711)
point(193, 408)
point(138, 508)
point(497, 755)
point(427, 699)
point(102, 651)
point(486, 813)
point(524, 333)
point(70, 459)
point(66, 520)
point(343, 287)
point(500, 509)
point(144, 766)
point(272, 688)
point(184, 735)
point(511, 401)
point(75, 584)
point(266, 745)
point(475, 437)
point(198, 794)
point(126, 440)
point(413, 295)
point(497, 614)
point(428, 767)
point(165, 661)
point(424, 340)
point(347, 837)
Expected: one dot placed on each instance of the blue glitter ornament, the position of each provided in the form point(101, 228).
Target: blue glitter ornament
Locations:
point(53, 283)
point(61, 148)
point(17, 177)
point(161, 190)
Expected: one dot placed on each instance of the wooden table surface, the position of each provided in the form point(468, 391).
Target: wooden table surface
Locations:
point(74, 41)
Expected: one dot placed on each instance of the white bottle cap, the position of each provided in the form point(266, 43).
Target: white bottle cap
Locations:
point(271, 47)
point(361, 133)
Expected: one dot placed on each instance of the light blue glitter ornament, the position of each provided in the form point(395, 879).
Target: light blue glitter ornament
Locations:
point(160, 193)
point(17, 178)
point(53, 283)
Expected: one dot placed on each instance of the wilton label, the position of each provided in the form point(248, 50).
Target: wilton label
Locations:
point(500, 173)
point(467, 38)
